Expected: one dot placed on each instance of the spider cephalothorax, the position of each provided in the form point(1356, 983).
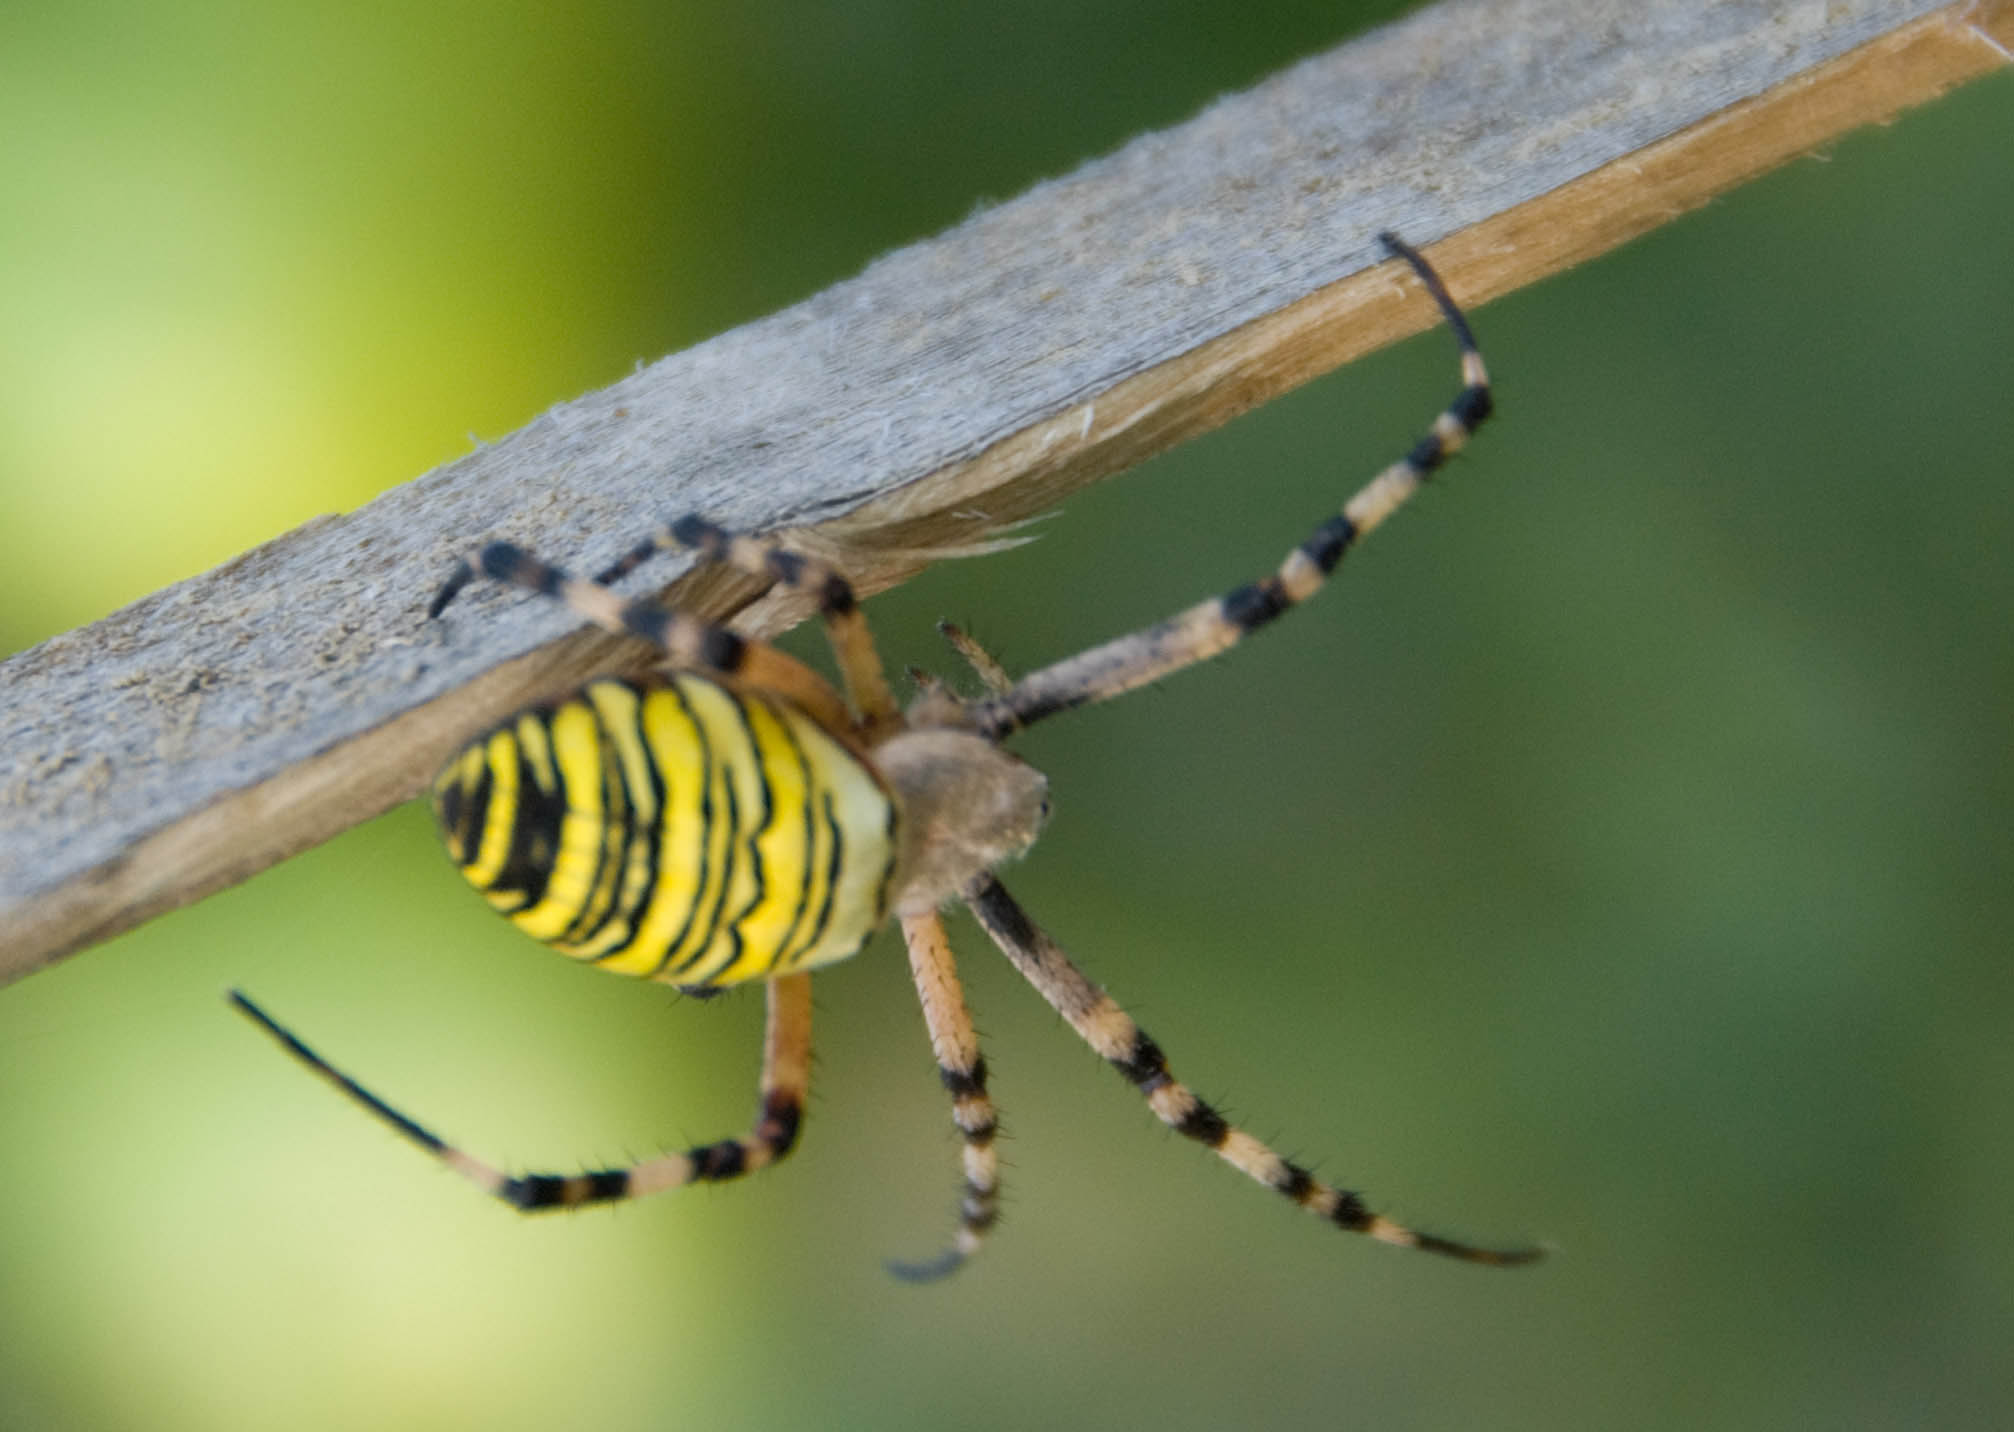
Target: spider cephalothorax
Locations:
point(732, 818)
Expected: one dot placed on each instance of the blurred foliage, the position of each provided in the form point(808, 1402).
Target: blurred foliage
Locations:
point(1620, 855)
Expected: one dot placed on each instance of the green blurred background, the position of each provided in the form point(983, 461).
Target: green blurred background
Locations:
point(1621, 855)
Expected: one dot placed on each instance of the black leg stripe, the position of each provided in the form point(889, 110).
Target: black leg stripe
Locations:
point(996, 909)
point(1326, 547)
point(981, 1136)
point(1205, 1125)
point(782, 1117)
point(695, 531)
point(722, 650)
point(1253, 605)
point(1472, 407)
point(499, 560)
point(1350, 1213)
point(713, 1162)
point(606, 1184)
point(835, 599)
point(964, 1083)
point(649, 622)
point(1144, 1064)
point(1427, 454)
point(1298, 1184)
point(539, 1190)
point(1028, 711)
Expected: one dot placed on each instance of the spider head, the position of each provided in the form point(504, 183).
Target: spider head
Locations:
point(967, 806)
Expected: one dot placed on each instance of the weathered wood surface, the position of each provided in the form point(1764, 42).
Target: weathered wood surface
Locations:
point(953, 387)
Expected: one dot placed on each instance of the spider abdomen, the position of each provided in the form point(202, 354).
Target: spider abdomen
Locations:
point(674, 829)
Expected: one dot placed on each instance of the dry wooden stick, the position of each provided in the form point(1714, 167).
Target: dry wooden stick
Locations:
point(952, 388)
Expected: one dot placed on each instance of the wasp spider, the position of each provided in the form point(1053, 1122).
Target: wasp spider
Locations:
point(732, 818)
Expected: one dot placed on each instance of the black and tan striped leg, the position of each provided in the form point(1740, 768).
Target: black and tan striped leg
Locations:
point(688, 642)
point(765, 557)
point(1212, 627)
point(786, 1072)
point(1112, 1032)
point(963, 1070)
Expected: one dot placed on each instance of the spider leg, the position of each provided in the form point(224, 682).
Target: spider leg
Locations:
point(1112, 1033)
point(983, 663)
point(786, 1068)
point(963, 1069)
point(765, 557)
point(1211, 627)
point(687, 641)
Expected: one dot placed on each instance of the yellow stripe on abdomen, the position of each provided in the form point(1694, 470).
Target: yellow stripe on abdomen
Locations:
point(675, 829)
point(854, 854)
point(575, 734)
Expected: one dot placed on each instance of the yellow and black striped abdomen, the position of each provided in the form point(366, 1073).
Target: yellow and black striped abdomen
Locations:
point(674, 829)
